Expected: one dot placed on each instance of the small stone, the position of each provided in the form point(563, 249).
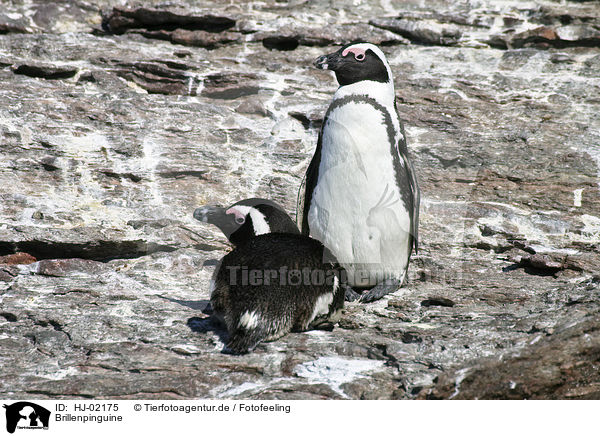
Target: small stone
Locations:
point(87, 76)
point(49, 163)
point(539, 35)
point(542, 262)
point(44, 71)
point(561, 58)
point(229, 86)
point(348, 324)
point(280, 42)
point(182, 53)
point(8, 273)
point(410, 338)
point(17, 259)
point(66, 267)
point(252, 107)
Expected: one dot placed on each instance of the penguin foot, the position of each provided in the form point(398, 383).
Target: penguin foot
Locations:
point(380, 290)
point(350, 294)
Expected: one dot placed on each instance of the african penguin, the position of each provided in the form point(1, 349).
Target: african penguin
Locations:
point(247, 218)
point(275, 280)
point(361, 196)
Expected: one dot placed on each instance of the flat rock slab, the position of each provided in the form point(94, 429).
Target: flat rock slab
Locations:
point(119, 120)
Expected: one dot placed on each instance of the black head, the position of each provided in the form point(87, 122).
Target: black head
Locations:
point(356, 62)
point(247, 218)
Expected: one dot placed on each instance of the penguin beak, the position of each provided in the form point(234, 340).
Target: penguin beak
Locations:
point(329, 61)
point(217, 216)
point(209, 214)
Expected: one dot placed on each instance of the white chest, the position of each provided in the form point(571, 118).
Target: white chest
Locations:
point(356, 210)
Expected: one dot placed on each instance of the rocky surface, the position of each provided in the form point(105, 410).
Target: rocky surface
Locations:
point(118, 120)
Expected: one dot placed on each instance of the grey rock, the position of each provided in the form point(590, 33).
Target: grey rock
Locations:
point(13, 25)
point(121, 19)
point(420, 31)
point(549, 36)
point(563, 365)
point(66, 267)
point(290, 38)
point(171, 107)
point(18, 258)
point(201, 38)
point(230, 86)
point(44, 71)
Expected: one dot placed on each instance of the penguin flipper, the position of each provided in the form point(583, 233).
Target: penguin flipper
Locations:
point(300, 219)
point(415, 191)
point(380, 290)
point(309, 183)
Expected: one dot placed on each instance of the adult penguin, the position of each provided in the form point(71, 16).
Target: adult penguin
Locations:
point(361, 196)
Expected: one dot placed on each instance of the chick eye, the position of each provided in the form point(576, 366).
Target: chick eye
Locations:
point(240, 220)
point(360, 57)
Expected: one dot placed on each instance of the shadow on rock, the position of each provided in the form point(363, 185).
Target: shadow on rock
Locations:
point(203, 325)
point(201, 305)
point(211, 324)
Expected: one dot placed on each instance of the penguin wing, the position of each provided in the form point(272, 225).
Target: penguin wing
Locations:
point(415, 192)
point(309, 182)
point(300, 204)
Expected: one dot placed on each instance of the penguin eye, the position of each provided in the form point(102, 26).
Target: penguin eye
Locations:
point(360, 57)
point(240, 220)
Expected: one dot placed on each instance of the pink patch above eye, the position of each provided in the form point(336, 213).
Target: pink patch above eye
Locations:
point(359, 53)
point(236, 212)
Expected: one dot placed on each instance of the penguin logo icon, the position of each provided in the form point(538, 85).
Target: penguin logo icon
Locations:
point(26, 415)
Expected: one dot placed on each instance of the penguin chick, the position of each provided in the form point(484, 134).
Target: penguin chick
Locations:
point(272, 282)
point(361, 196)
